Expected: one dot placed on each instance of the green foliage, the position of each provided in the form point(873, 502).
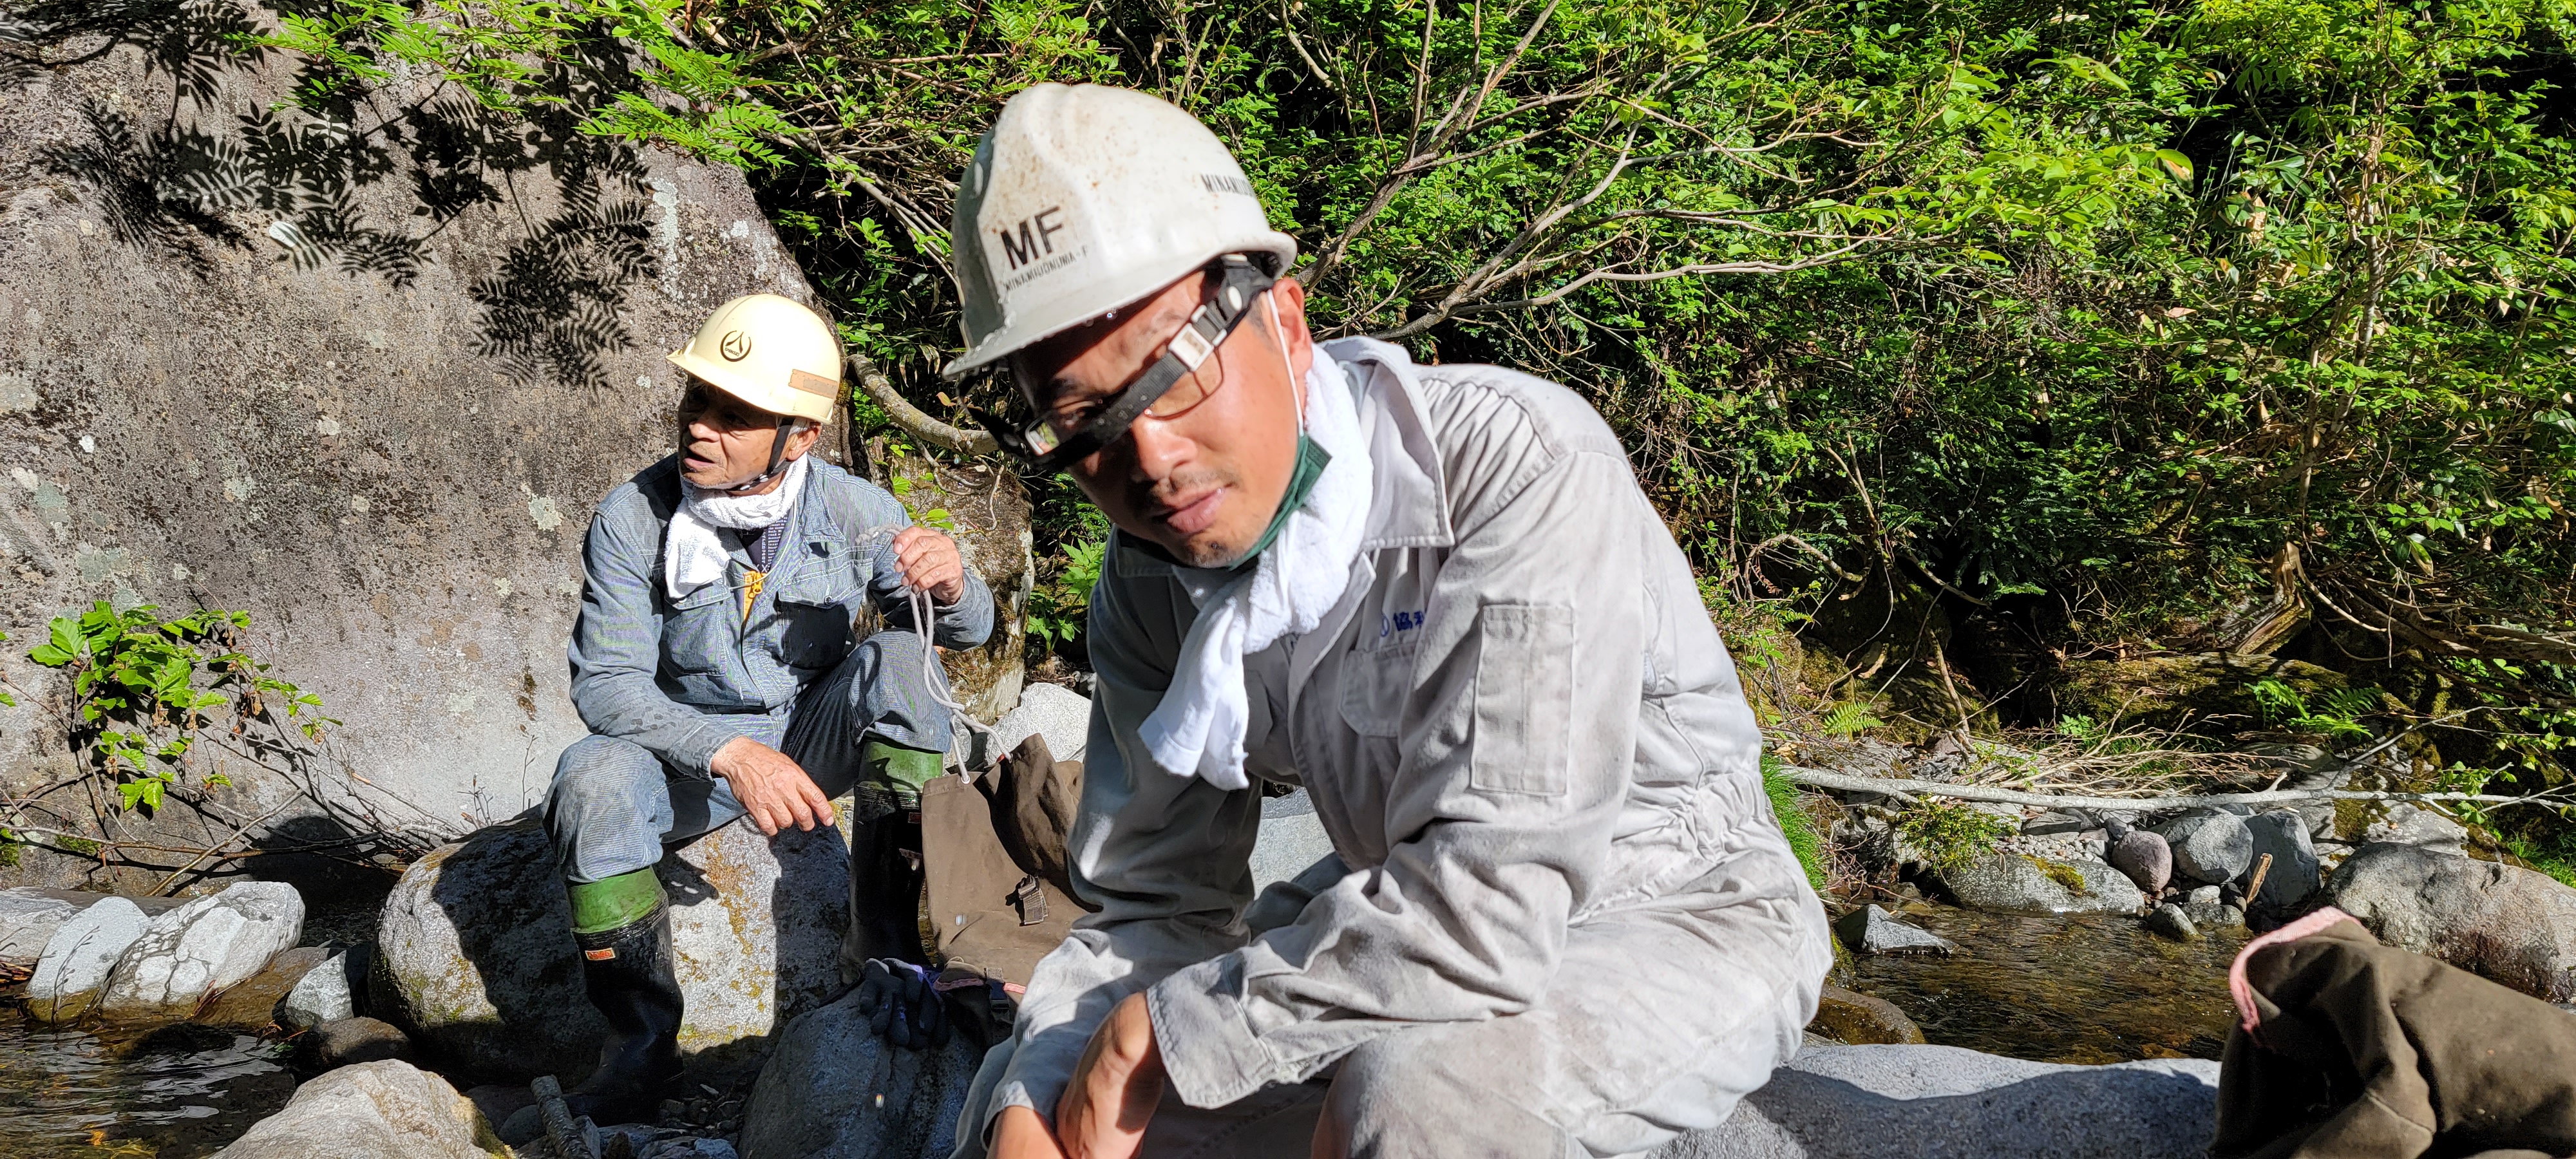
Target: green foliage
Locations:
point(1057, 608)
point(2090, 311)
point(2556, 857)
point(1950, 834)
point(2336, 718)
point(142, 687)
point(1795, 824)
point(1849, 719)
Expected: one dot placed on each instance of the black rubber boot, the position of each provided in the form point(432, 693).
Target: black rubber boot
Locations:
point(629, 971)
point(885, 886)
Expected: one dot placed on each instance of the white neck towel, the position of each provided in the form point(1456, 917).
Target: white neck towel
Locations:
point(1198, 728)
point(692, 555)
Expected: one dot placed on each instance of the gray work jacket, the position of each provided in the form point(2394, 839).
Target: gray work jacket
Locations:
point(681, 677)
point(1518, 718)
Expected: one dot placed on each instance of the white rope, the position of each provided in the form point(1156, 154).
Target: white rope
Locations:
point(934, 675)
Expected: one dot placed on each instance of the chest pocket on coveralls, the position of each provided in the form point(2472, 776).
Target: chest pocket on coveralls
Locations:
point(1374, 686)
point(813, 609)
point(699, 630)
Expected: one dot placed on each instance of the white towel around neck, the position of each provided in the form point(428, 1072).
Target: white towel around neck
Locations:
point(1198, 728)
point(693, 556)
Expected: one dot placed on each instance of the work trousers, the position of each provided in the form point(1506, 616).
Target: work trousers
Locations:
point(614, 805)
point(1659, 1020)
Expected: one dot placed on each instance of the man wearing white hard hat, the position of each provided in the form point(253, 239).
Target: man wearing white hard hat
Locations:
point(717, 667)
point(1560, 918)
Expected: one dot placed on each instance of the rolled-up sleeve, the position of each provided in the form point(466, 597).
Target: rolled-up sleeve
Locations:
point(617, 644)
point(1515, 747)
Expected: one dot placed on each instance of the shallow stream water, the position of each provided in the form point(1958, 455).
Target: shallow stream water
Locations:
point(2084, 988)
point(175, 1092)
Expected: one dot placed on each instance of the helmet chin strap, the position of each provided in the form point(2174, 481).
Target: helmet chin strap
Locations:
point(777, 451)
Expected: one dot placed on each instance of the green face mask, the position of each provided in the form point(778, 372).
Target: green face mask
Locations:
point(1311, 458)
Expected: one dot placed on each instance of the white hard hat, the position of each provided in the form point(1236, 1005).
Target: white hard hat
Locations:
point(1082, 199)
point(770, 352)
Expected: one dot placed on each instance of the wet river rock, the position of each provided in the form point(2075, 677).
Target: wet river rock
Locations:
point(80, 956)
point(2501, 922)
point(2295, 873)
point(2012, 883)
point(2145, 858)
point(203, 947)
point(375, 1110)
point(1869, 930)
point(2210, 846)
point(836, 1089)
point(475, 957)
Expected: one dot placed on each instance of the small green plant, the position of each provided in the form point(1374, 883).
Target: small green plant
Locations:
point(1795, 824)
point(1850, 719)
point(1950, 834)
point(2337, 718)
point(143, 688)
point(1056, 608)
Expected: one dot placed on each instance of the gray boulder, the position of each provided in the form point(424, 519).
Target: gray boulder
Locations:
point(202, 947)
point(1291, 838)
point(2407, 823)
point(353, 1040)
point(2210, 846)
point(2171, 921)
point(475, 957)
point(1869, 930)
point(1871, 1102)
point(2507, 924)
point(28, 919)
point(2212, 915)
point(80, 956)
point(374, 1110)
point(2295, 873)
point(326, 993)
point(1053, 711)
point(2144, 858)
point(836, 1089)
point(2011, 883)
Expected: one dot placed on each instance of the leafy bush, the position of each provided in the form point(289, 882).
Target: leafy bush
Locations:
point(143, 686)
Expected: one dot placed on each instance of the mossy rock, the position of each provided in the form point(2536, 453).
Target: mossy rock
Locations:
point(2206, 692)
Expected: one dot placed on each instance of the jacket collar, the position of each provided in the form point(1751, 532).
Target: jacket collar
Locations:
point(1408, 506)
point(1410, 503)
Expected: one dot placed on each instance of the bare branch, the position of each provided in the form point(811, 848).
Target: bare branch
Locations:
point(912, 419)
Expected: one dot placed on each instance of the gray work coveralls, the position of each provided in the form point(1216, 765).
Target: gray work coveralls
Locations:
point(663, 683)
point(1561, 919)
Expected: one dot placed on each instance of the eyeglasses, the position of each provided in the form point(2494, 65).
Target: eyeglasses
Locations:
point(1168, 388)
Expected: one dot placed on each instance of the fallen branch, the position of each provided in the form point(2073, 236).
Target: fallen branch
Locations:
point(1904, 789)
point(912, 419)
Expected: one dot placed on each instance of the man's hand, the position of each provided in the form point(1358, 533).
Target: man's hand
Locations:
point(1021, 1134)
point(931, 564)
point(1105, 1108)
point(773, 788)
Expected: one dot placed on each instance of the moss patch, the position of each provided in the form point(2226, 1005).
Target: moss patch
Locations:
point(2063, 874)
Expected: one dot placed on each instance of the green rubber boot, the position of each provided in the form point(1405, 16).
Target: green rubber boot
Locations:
point(886, 871)
point(623, 926)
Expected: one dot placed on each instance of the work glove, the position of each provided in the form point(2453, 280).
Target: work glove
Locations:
point(901, 1007)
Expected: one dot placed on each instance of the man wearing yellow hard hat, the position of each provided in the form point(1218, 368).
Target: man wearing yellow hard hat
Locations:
point(717, 667)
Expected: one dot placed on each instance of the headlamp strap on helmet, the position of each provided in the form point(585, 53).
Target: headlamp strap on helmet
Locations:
point(1191, 346)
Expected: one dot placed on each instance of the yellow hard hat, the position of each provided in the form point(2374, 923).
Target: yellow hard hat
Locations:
point(770, 352)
